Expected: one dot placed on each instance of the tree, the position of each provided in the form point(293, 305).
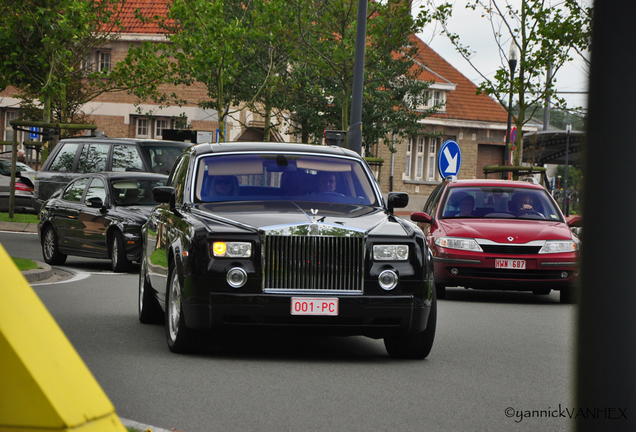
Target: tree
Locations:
point(46, 48)
point(327, 32)
point(544, 34)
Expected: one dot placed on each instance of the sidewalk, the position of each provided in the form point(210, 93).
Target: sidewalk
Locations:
point(18, 227)
point(44, 271)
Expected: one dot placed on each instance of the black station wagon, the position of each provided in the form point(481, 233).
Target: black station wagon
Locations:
point(283, 237)
point(73, 157)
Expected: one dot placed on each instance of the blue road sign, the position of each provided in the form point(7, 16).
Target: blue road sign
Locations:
point(34, 136)
point(450, 159)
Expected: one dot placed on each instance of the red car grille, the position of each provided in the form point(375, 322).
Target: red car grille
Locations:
point(511, 249)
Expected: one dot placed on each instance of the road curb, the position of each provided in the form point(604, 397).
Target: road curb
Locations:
point(44, 271)
point(19, 227)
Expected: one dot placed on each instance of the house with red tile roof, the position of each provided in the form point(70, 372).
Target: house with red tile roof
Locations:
point(476, 122)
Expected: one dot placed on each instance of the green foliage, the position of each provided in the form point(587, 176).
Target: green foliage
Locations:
point(19, 217)
point(575, 177)
point(544, 35)
point(24, 264)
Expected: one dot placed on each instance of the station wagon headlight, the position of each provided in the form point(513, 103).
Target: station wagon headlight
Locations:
point(559, 246)
point(458, 243)
point(232, 249)
point(390, 252)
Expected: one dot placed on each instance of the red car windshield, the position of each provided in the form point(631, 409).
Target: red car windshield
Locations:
point(500, 203)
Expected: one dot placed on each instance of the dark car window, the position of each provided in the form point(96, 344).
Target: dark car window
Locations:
point(162, 158)
point(126, 158)
point(75, 190)
point(433, 200)
point(96, 190)
point(178, 176)
point(133, 191)
point(93, 158)
point(282, 177)
point(64, 160)
point(498, 202)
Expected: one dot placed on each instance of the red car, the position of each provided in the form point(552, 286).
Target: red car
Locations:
point(499, 235)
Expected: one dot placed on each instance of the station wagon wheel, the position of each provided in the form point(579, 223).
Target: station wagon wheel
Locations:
point(149, 310)
point(119, 262)
point(50, 247)
point(415, 346)
point(181, 339)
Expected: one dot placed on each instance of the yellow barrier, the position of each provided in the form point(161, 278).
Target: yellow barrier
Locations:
point(44, 384)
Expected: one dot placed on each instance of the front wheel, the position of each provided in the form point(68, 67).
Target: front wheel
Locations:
point(50, 248)
point(118, 260)
point(415, 346)
point(181, 339)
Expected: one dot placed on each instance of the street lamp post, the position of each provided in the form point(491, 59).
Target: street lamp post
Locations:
point(512, 63)
point(566, 207)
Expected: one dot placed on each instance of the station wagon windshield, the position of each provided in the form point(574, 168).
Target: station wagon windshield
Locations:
point(498, 202)
point(289, 177)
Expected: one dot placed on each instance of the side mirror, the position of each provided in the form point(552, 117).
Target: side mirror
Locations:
point(164, 195)
point(421, 217)
point(397, 200)
point(95, 202)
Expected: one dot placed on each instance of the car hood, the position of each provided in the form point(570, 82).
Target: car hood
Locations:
point(501, 230)
point(269, 215)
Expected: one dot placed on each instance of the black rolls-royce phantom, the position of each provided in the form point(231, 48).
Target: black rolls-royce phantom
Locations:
point(275, 236)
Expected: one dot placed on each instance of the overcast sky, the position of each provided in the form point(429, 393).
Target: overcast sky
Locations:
point(476, 32)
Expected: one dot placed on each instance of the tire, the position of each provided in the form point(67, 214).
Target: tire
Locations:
point(118, 260)
point(149, 310)
point(440, 291)
point(50, 247)
point(415, 346)
point(180, 338)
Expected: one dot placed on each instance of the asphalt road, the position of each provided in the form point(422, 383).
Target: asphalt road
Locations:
point(501, 361)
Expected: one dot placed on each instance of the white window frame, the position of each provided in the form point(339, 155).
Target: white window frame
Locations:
point(431, 159)
point(407, 165)
point(142, 127)
point(103, 61)
point(419, 160)
point(160, 125)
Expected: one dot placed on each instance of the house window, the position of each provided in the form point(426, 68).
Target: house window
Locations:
point(431, 158)
point(142, 128)
point(160, 125)
point(8, 129)
point(419, 164)
point(103, 61)
point(407, 165)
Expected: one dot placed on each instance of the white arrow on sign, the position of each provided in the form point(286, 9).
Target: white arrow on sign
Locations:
point(452, 161)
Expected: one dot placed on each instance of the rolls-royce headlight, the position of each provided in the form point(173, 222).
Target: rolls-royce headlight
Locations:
point(458, 243)
point(232, 249)
point(559, 246)
point(390, 252)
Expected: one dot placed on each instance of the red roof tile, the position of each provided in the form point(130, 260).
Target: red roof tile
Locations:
point(148, 9)
point(462, 103)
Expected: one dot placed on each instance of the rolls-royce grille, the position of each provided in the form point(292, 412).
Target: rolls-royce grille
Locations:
point(313, 263)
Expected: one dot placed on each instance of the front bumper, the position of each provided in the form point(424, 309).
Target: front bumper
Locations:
point(554, 271)
point(372, 316)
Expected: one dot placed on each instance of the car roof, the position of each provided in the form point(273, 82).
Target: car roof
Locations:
point(139, 141)
point(245, 146)
point(494, 183)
